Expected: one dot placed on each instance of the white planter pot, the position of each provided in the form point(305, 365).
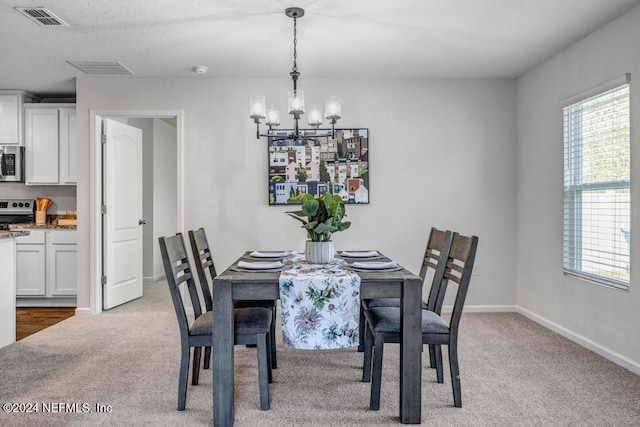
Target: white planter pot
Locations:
point(319, 252)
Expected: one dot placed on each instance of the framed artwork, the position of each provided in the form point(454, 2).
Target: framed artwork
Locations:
point(319, 163)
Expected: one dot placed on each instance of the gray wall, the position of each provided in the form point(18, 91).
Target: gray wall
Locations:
point(442, 154)
point(600, 318)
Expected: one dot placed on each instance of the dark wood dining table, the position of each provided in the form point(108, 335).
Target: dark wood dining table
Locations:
point(233, 284)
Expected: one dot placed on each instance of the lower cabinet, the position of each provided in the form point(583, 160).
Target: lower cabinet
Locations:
point(46, 268)
point(61, 263)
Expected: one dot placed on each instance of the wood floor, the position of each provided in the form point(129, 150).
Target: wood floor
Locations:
point(32, 320)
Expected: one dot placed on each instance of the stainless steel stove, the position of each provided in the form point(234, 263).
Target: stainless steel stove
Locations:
point(16, 211)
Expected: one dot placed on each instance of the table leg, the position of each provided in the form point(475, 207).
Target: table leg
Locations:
point(411, 351)
point(222, 353)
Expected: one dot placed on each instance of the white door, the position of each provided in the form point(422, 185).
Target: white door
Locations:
point(122, 221)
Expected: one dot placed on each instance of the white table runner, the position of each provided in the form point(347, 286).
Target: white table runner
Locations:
point(320, 305)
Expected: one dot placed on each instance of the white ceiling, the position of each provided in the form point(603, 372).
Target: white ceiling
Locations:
point(253, 38)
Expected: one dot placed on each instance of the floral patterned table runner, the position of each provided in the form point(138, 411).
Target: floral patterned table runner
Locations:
point(319, 305)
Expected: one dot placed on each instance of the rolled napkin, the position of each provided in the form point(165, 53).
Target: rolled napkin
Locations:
point(260, 265)
point(360, 254)
point(373, 265)
point(258, 254)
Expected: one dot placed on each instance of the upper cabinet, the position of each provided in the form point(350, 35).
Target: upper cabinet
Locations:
point(50, 144)
point(11, 102)
point(68, 147)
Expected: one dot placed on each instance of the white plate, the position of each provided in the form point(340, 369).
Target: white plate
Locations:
point(269, 255)
point(253, 270)
point(257, 265)
point(375, 265)
point(359, 258)
point(376, 270)
point(360, 254)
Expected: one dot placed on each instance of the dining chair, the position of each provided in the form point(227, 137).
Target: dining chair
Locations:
point(383, 323)
point(204, 262)
point(252, 325)
point(434, 256)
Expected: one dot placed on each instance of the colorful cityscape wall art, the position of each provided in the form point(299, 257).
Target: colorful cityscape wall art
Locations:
point(319, 163)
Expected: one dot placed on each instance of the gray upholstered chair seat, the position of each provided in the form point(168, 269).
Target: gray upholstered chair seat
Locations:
point(387, 320)
point(203, 325)
point(247, 321)
point(253, 303)
point(252, 320)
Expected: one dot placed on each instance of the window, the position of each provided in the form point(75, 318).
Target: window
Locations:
point(597, 171)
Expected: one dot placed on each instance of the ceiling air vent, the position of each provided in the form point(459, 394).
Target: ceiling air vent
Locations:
point(42, 16)
point(101, 68)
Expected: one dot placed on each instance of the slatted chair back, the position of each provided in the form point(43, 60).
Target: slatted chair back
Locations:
point(438, 244)
point(178, 271)
point(459, 268)
point(204, 262)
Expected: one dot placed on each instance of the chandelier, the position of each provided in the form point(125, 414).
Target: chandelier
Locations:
point(259, 111)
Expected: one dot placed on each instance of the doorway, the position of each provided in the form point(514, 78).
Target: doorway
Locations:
point(162, 195)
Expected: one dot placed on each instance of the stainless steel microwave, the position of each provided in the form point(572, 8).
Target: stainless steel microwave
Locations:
point(11, 163)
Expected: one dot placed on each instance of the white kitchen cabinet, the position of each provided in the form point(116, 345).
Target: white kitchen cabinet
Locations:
point(7, 291)
point(46, 267)
point(30, 270)
point(30, 264)
point(61, 263)
point(11, 119)
point(68, 146)
point(50, 141)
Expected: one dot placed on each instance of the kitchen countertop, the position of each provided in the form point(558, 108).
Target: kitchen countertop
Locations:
point(33, 226)
point(8, 234)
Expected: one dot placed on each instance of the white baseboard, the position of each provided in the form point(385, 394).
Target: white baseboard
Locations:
point(46, 302)
point(82, 311)
point(153, 278)
point(605, 352)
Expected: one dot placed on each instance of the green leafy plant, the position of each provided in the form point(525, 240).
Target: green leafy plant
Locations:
point(321, 216)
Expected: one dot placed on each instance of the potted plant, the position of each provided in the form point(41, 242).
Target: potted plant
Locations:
point(321, 217)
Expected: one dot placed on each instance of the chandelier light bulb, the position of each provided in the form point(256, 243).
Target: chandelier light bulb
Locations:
point(296, 103)
point(315, 117)
point(257, 108)
point(332, 109)
point(273, 116)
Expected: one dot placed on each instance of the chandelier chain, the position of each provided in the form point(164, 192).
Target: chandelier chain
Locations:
point(295, 42)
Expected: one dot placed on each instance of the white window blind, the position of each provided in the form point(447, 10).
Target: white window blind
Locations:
point(597, 205)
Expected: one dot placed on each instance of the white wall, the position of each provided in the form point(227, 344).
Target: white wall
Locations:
point(146, 125)
point(603, 319)
point(165, 188)
point(159, 189)
point(442, 154)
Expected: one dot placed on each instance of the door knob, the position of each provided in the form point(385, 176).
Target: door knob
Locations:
point(141, 222)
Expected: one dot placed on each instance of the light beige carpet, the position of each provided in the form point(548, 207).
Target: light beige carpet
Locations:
point(514, 373)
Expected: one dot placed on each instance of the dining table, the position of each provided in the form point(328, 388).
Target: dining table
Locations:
point(241, 284)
